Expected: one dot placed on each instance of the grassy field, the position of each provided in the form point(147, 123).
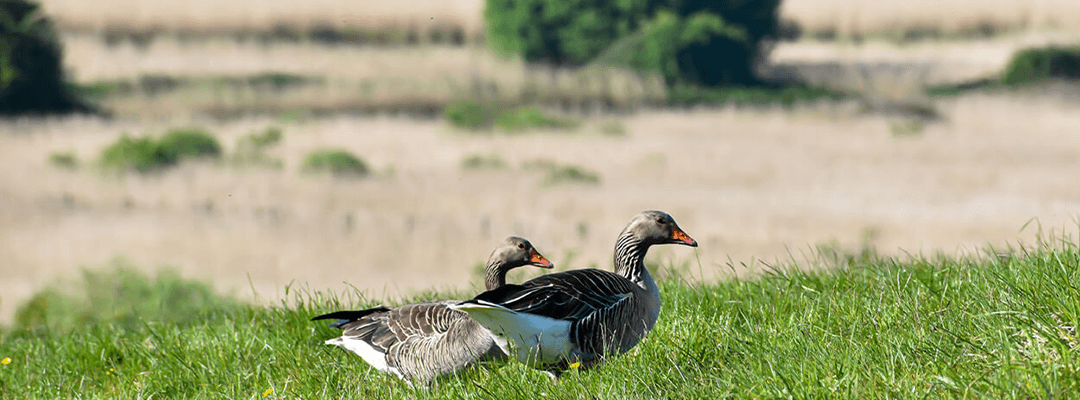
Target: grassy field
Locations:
point(1001, 325)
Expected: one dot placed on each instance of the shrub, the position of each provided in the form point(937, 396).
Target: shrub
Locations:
point(468, 115)
point(146, 154)
point(31, 75)
point(65, 160)
point(528, 117)
point(480, 161)
point(1032, 65)
point(688, 41)
point(337, 162)
point(570, 174)
point(189, 143)
point(250, 149)
point(139, 154)
point(124, 297)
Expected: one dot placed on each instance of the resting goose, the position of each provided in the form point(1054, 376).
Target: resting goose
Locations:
point(581, 315)
point(422, 341)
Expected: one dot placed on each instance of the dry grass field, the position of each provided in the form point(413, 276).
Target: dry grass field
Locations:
point(746, 183)
point(749, 184)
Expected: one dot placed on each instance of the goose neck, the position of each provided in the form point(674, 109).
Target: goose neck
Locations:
point(494, 275)
point(630, 257)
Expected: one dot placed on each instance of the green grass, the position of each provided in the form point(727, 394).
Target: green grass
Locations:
point(1001, 326)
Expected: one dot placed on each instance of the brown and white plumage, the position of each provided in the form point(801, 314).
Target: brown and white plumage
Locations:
point(581, 315)
point(420, 342)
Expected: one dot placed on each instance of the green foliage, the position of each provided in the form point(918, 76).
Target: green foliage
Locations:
point(697, 42)
point(559, 174)
point(65, 160)
point(483, 161)
point(122, 296)
point(1037, 64)
point(31, 75)
point(874, 327)
point(468, 115)
point(139, 154)
point(251, 149)
point(189, 143)
point(146, 154)
point(475, 116)
point(338, 162)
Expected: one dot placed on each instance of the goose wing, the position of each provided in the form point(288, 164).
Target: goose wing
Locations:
point(571, 295)
point(383, 327)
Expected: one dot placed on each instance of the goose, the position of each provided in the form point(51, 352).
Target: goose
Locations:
point(420, 342)
point(580, 316)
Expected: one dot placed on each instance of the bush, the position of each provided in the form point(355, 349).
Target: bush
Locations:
point(570, 174)
point(31, 74)
point(689, 41)
point(139, 154)
point(250, 149)
point(337, 162)
point(1032, 65)
point(468, 115)
point(124, 297)
point(65, 160)
point(146, 154)
point(189, 143)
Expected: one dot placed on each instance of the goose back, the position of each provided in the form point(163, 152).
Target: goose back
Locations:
point(419, 342)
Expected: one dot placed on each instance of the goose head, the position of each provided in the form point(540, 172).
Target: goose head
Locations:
point(657, 227)
point(513, 252)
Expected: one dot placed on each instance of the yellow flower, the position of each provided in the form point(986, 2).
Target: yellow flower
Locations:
point(575, 365)
point(5, 361)
point(268, 392)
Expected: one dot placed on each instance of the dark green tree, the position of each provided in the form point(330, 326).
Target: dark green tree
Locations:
point(688, 41)
point(31, 74)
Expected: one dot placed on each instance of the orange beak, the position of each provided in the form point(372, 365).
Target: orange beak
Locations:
point(539, 260)
point(680, 237)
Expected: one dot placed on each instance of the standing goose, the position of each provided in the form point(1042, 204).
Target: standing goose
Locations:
point(419, 342)
point(581, 315)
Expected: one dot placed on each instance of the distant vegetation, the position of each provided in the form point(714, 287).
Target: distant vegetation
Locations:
point(251, 149)
point(561, 174)
point(338, 162)
point(483, 161)
point(1028, 66)
point(474, 115)
point(121, 296)
point(65, 160)
point(31, 74)
point(146, 154)
point(698, 42)
point(1038, 64)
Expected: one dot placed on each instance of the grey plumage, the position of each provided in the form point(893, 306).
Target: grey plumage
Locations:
point(607, 312)
point(420, 342)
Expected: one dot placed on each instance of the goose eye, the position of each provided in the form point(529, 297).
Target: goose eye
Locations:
point(660, 220)
point(521, 245)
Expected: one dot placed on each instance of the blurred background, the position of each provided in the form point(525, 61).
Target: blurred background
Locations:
point(389, 146)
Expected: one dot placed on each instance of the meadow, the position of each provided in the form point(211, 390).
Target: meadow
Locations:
point(881, 240)
point(1000, 324)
